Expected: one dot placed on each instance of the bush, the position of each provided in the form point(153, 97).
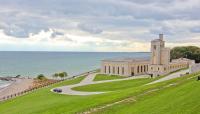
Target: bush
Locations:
point(41, 77)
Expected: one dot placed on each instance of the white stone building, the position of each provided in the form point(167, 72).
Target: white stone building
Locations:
point(159, 64)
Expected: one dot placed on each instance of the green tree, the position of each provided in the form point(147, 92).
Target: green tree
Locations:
point(190, 52)
point(56, 75)
point(65, 74)
point(62, 75)
point(41, 77)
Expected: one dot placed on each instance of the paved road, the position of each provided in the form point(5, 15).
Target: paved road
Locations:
point(89, 80)
point(171, 76)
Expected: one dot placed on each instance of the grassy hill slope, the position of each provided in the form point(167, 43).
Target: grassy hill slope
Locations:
point(45, 102)
point(174, 96)
point(100, 77)
point(181, 98)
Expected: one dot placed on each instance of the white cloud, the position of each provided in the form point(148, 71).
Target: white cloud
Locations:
point(96, 25)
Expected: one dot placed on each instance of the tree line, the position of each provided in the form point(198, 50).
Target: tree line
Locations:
point(190, 52)
point(60, 75)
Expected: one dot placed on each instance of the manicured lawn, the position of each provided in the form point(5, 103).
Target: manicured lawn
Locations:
point(111, 86)
point(180, 99)
point(45, 102)
point(100, 77)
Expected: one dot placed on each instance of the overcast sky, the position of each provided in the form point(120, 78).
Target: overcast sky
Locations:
point(97, 25)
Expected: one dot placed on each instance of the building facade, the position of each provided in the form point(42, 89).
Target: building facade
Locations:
point(158, 64)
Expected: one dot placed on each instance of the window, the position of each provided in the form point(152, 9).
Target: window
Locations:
point(141, 69)
point(138, 69)
point(109, 69)
point(105, 69)
point(154, 47)
point(132, 71)
point(117, 70)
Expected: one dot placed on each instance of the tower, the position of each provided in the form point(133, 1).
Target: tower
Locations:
point(156, 46)
point(160, 57)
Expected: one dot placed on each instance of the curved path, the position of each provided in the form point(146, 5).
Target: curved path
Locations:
point(89, 80)
point(170, 76)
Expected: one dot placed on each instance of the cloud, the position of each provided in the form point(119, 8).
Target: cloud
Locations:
point(97, 25)
point(90, 28)
point(195, 29)
point(56, 34)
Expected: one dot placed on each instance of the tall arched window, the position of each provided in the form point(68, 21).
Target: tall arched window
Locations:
point(147, 68)
point(117, 70)
point(105, 69)
point(132, 71)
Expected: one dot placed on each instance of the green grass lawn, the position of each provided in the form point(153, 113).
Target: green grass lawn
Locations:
point(180, 99)
point(45, 102)
point(40, 101)
point(111, 86)
point(100, 77)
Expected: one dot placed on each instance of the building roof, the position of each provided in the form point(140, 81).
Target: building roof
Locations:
point(127, 60)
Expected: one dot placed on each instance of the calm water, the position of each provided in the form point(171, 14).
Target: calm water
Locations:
point(33, 63)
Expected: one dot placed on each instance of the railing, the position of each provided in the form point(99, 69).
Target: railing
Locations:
point(44, 85)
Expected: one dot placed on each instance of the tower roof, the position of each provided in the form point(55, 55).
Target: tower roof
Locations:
point(160, 38)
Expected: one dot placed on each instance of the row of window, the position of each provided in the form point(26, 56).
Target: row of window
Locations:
point(171, 67)
point(116, 70)
point(140, 69)
point(113, 70)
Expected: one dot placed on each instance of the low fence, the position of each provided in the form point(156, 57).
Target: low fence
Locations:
point(45, 85)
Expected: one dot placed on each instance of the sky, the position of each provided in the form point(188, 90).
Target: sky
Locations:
point(97, 25)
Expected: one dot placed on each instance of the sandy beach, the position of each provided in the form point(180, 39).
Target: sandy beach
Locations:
point(18, 85)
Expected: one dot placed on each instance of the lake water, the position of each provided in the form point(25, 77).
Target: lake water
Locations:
point(33, 63)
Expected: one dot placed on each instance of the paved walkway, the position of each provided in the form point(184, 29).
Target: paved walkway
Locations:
point(171, 76)
point(89, 80)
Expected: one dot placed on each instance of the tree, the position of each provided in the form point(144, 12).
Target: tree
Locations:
point(63, 75)
point(18, 76)
point(41, 77)
point(56, 75)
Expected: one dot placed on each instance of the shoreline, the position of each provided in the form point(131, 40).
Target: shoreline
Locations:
point(5, 84)
point(16, 86)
